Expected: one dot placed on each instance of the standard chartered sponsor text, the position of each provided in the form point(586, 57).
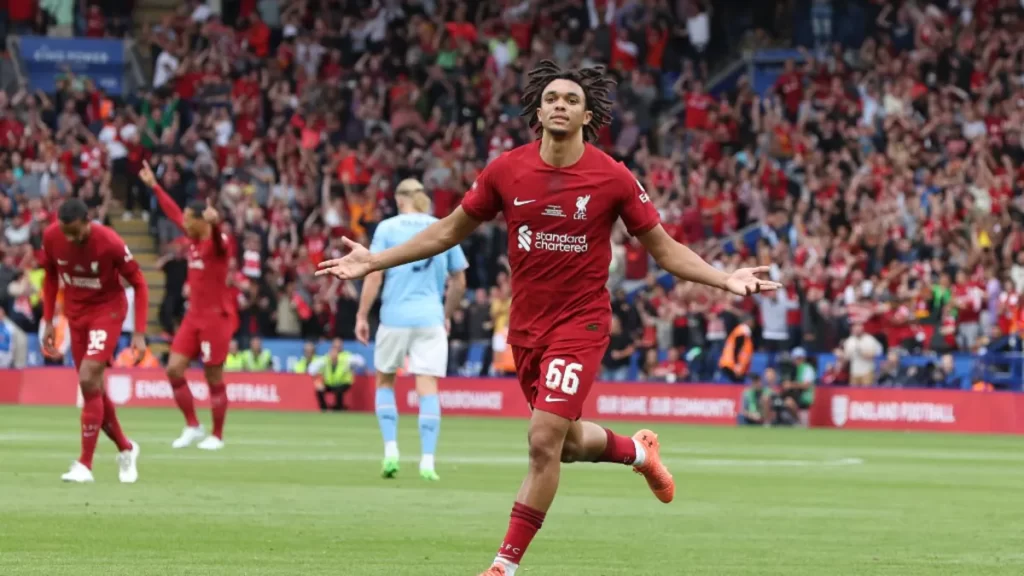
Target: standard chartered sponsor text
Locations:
point(560, 242)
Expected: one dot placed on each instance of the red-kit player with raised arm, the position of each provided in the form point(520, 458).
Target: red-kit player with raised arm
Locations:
point(211, 320)
point(561, 197)
point(91, 259)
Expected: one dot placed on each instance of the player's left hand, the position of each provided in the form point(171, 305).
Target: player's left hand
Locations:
point(210, 214)
point(745, 282)
point(49, 338)
point(352, 266)
point(362, 330)
point(139, 343)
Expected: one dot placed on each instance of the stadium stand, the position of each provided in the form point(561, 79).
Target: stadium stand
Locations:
point(877, 166)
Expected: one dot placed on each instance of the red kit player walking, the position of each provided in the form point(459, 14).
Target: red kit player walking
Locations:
point(561, 197)
point(91, 259)
point(211, 319)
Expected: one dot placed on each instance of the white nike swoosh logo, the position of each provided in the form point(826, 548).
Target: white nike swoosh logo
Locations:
point(550, 398)
point(517, 202)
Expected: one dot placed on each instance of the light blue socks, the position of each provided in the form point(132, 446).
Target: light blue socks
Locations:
point(387, 417)
point(430, 428)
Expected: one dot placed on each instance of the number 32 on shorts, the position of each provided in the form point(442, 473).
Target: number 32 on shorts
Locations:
point(561, 376)
point(97, 341)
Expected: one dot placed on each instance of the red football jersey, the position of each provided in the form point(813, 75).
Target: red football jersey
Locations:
point(969, 300)
point(559, 233)
point(209, 262)
point(92, 273)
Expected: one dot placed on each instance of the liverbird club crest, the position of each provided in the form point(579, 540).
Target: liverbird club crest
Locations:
point(581, 207)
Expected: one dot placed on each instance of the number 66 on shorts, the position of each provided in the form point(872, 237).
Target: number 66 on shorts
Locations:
point(562, 376)
point(558, 378)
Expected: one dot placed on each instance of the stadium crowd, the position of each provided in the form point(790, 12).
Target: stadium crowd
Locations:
point(93, 19)
point(879, 176)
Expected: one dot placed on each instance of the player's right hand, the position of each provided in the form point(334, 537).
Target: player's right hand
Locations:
point(362, 330)
point(49, 342)
point(210, 214)
point(352, 266)
point(146, 175)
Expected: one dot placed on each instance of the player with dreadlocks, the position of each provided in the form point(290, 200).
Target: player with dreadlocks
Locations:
point(561, 197)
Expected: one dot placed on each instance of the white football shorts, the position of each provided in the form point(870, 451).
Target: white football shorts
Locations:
point(426, 348)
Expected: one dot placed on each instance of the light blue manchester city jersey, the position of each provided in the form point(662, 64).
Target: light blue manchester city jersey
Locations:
point(413, 294)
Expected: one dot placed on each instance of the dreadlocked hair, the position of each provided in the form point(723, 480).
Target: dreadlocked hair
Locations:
point(596, 88)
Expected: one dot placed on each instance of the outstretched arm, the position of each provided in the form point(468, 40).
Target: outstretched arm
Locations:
point(435, 239)
point(685, 264)
point(220, 244)
point(679, 260)
point(169, 207)
point(167, 204)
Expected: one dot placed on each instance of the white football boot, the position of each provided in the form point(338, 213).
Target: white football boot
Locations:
point(188, 436)
point(78, 473)
point(211, 443)
point(127, 470)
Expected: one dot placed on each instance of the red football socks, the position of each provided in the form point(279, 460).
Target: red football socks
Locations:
point(92, 421)
point(183, 397)
point(619, 449)
point(112, 427)
point(522, 527)
point(219, 406)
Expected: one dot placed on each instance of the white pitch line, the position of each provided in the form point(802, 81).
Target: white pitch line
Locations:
point(780, 463)
point(356, 457)
point(164, 438)
point(478, 460)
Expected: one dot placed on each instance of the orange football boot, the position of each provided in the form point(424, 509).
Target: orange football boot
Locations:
point(659, 479)
point(496, 570)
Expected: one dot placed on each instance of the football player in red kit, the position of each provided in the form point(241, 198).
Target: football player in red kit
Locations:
point(91, 259)
point(561, 197)
point(211, 319)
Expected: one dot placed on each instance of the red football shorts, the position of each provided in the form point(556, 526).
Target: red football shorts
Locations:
point(206, 338)
point(96, 338)
point(557, 378)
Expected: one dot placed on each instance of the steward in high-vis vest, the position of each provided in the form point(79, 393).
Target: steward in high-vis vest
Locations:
point(303, 364)
point(256, 359)
point(234, 361)
point(336, 371)
point(738, 352)
point(308, 356)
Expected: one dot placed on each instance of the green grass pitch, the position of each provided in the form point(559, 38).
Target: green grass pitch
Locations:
point(300, 495)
